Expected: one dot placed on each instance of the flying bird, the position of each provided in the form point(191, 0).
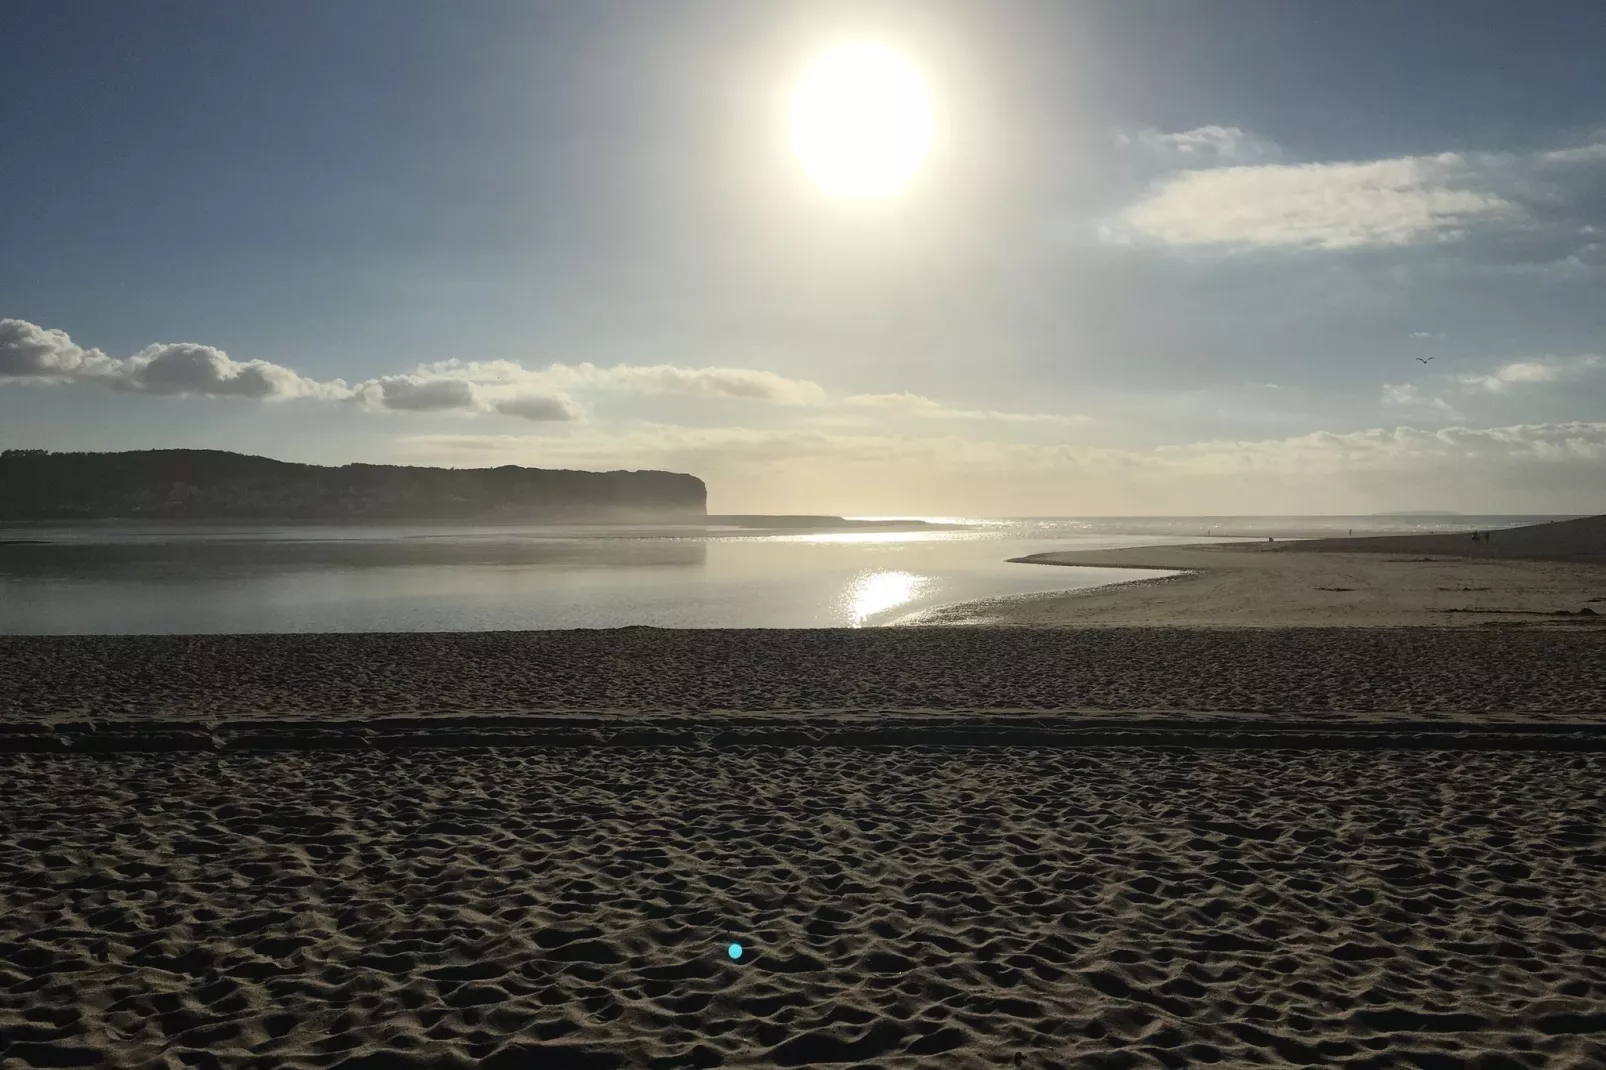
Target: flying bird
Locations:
point(1424, 360)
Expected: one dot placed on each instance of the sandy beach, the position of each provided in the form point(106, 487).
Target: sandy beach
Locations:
point(1132, 907)
point(940, 847)
point(904, 535)
point(1291, 843)
point(1548, 576)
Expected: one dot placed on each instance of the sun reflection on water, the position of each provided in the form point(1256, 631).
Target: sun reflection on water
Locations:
point(876, 592)
point(874, 536)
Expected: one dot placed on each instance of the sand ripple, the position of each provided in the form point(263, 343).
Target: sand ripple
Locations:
point(907, 907)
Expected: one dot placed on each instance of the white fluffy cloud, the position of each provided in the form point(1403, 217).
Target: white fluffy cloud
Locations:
point(1533, 207)
point(28, 351)
point(1527, 371)
point(1324, 206)
point(188, 368)
point(39, 354)
point(1541, 370)
point(500, 387)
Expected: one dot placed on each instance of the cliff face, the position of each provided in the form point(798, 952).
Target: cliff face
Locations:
point(217, 485)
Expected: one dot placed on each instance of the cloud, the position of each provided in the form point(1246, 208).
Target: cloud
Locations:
point(1373, 449)
point(912, 402)
point(1530, 371)
point(748, 383)
point(1408, 396)
point(428, 391)
point(710, 382)
point(1321, 206)
point(1542, 370)
point(918, 405)
point(508, 388)
point(1514, 207)
point(415, 393)
point(1537, 467)
point(188, 368)
point(539, 407)
point(1205, 146)
point(28, 351)
point(1400, 449)
point(465, 387)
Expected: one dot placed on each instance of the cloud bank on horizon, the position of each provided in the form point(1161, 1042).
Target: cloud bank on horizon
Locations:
point(49, 356)
point(1546, 456)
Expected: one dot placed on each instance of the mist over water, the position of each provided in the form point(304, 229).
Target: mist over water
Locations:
point(109, 579)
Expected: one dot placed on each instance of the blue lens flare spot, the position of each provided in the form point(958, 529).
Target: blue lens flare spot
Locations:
point(734, 951)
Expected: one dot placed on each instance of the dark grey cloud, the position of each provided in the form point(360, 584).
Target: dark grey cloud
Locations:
point(412, 393)
point(539, 407)
point(189, 368)
point(435, 393)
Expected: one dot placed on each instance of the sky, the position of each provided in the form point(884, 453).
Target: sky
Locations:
point(1223, 257)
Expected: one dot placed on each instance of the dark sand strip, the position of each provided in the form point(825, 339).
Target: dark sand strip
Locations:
point(990, 730)
point(1412, 673)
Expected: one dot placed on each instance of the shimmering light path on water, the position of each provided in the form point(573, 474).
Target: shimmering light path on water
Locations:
point(262, 578)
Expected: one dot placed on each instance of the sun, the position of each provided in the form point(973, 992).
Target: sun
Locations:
point(861, 122)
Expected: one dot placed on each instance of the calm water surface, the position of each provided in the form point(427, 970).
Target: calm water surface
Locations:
point(109, 579)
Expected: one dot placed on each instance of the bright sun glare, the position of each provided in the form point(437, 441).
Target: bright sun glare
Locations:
point(861, 121)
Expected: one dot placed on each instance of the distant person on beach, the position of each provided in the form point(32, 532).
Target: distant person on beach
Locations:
point(1475, 537)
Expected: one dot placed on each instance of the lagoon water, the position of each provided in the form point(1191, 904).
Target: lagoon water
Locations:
point(191, 579)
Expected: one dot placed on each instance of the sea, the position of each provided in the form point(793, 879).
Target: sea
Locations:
point(148, 578)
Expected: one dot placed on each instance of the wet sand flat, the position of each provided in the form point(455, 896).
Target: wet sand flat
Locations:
point(1289, 585)
point(1541, 576)
point(1131, 907)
